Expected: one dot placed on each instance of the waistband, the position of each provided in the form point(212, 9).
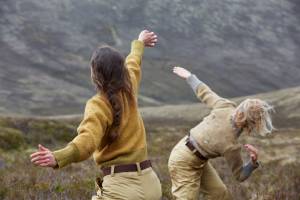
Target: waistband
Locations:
point(136, 167)
point(191, 147)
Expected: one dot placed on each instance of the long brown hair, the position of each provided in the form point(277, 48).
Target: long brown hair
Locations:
point(111, 77)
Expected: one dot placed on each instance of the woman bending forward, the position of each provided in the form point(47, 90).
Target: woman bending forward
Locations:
point(216, 136)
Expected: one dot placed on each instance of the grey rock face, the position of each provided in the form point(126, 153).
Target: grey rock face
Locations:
point(238, 47)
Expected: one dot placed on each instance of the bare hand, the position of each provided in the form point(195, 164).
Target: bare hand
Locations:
point(181, 72)
point(253, 152)
point(149, 38)
point(43, 157)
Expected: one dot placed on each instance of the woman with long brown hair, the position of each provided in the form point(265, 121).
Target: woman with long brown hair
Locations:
point(112, 128)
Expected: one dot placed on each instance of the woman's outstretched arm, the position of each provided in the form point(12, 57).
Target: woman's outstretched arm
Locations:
point(203, 92)
point(134, 59)
point(90, 133)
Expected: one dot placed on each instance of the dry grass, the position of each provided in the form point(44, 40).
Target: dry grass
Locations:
point(277, 179)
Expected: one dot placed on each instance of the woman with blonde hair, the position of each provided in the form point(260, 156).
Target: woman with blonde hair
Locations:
point(217, 135)
point(112, 129)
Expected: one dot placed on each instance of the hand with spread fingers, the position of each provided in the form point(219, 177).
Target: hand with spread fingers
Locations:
point(149, 38)
point(253, 152)
point(182, 72)
point(43, 157)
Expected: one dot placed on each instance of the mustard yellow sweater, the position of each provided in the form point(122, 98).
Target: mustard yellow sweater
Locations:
point(130, 147)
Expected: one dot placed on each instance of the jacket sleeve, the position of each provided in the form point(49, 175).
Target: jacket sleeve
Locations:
point(240, 170)
point(206, 95)
point(133, 63)
point(90, 133)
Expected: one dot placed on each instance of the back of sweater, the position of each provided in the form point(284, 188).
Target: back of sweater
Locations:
point(130, 146)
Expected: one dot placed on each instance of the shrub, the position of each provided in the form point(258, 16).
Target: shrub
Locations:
point(11, 138)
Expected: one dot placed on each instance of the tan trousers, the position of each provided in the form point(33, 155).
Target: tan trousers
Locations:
point(190, 176)
point(143, 185)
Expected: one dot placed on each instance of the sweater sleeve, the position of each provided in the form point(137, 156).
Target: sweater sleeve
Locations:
point(206, 95)
point(240, 170)
point(90, 133)
point(133, 63)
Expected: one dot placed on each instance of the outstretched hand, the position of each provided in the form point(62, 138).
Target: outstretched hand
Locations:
point(43, 157)
point(253, 152)
point(149, 38)
point(182, 72)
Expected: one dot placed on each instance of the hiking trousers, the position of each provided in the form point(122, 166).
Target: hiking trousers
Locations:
point(191, 176)
point(141, 185)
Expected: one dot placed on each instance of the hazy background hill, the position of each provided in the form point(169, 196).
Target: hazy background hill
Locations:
point(239, 47)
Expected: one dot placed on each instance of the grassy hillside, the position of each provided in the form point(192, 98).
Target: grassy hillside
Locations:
point(239, 47)
point(277, 179)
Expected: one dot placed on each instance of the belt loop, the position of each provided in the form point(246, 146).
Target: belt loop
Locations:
point(112, 170)
point(139, 171)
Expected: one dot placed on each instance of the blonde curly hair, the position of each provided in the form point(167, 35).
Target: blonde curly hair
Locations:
point(255, 115)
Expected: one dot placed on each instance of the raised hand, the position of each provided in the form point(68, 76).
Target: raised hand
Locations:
point(181, 72)
point(43, 157)
point(253, 152)
point(149, 38)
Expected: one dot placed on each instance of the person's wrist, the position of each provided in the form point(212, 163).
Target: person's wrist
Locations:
point(188, 76)
point(255, 163)
point(141, 40)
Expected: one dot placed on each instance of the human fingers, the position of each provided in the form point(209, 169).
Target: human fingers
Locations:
point(251, 148)
point(47, 156)
point(45, 164)
point(150, 44)
point(175, 69)
point(150, 36)
point(41, 161)
point(38, 153)
point(42, 148)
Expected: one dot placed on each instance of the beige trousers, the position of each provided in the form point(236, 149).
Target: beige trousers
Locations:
point(191, 175)
point(143, 185)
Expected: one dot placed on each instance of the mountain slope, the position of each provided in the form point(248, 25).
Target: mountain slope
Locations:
point(238, 47)
point(286, 104)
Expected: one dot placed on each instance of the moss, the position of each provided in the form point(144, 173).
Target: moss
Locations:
point(49, 132)
point(58, 188)
point(11, 138)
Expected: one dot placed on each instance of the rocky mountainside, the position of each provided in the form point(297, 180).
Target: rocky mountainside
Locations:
point(238, 47)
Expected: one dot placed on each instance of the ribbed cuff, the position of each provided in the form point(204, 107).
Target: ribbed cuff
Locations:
point(66, 155)
point(137, 47)
point(194, 82)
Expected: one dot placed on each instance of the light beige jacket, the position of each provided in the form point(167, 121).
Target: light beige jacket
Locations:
point(216, 135)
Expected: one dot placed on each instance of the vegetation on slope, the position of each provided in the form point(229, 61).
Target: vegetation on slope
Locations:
point(277, 179)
